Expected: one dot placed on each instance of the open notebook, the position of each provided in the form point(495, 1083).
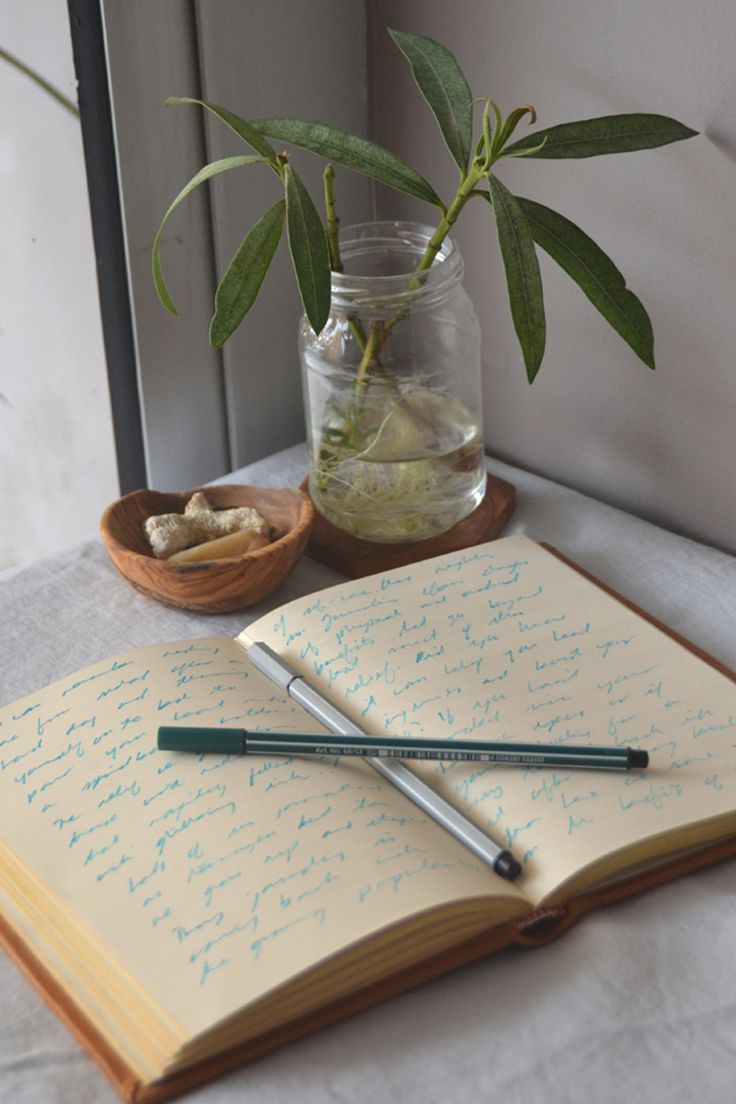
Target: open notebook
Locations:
point(185, 913)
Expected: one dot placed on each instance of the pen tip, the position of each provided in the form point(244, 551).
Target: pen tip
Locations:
point(507, 866)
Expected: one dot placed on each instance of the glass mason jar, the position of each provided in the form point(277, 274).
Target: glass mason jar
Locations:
point(392, 389)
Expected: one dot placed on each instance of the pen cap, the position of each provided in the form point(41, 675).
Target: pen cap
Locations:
point(271, 664)
point(226, 741)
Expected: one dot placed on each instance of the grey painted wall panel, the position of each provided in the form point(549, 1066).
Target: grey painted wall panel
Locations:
point(661, 444)
point(283, 57)
point(152, 55)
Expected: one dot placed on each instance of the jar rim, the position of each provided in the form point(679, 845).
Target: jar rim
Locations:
point(364, 237)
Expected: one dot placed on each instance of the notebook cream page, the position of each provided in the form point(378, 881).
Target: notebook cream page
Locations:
point(506, 642)
point(209, 879)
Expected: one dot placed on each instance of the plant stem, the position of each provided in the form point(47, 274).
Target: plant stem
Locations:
point(371, 359)
point(333, 222)
point(450, 217)
point(379, 332)
point(333, 246)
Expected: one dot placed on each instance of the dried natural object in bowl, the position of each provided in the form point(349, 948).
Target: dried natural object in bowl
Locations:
point(234, 544)
point(169, 534)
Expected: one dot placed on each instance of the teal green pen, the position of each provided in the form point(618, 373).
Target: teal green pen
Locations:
point(239, 741)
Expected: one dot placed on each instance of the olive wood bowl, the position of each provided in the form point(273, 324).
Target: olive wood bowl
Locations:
point(215, 586)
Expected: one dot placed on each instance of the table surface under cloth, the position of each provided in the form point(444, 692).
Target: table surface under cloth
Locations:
point(636, 1002)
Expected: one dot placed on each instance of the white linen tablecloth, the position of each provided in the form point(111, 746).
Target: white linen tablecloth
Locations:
point(636, 1002)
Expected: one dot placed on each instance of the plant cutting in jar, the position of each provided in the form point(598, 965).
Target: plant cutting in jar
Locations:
point(388, 444)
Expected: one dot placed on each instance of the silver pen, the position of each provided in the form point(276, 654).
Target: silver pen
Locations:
point(279, 672)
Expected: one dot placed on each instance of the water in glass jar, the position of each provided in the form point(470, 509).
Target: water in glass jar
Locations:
point(402, 468)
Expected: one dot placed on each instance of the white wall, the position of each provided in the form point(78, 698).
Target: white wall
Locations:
point(57, 466)
point(661, 444)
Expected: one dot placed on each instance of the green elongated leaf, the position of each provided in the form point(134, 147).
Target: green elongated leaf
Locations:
point(241, 127)
point(530, 151)
point(352, 152)
point(522, 275)
point(504, 132)
point(206, 173)
point(245, 274)
point(443, 85)
point(595, 273)
point(308, 247)
point(607, 134)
